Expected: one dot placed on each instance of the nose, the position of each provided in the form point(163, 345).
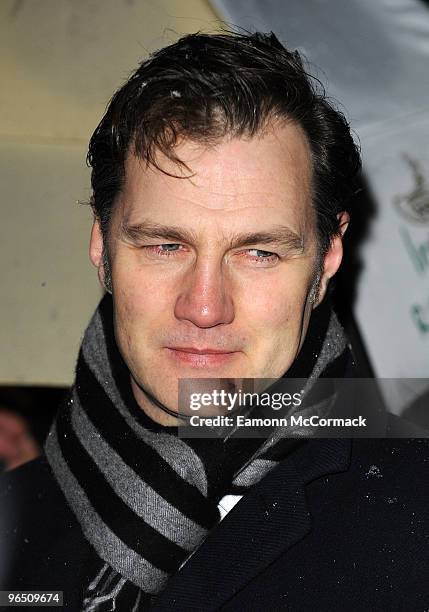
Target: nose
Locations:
point(205, 298)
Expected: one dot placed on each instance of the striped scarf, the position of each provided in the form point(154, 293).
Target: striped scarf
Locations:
point(146, 499)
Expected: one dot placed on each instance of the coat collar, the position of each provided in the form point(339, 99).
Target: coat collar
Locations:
point(270, 518)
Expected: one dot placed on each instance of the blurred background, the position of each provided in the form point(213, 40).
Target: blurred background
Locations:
point(61, 60)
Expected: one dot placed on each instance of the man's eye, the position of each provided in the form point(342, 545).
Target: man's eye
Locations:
point(264, 256)
point(260, 253)
point(163, 250)
point(169, 247)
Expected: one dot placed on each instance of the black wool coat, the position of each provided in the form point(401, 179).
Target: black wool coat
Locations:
point(340, 525)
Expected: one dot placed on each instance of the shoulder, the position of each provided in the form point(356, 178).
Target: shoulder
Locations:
point(380, 501)
point(372, 519)
point(392, 467)
point(39, 535)
point(386, 469)
point(393, 471)
point(32, 503)
point(31, 489)
point(23, 480)
point(404, 459)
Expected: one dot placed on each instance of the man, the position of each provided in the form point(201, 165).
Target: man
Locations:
point(222, 180)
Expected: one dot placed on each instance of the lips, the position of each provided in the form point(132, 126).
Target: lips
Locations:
point(202, 351)
point(201, 357)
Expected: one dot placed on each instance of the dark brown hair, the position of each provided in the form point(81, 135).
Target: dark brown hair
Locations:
point(205, 87)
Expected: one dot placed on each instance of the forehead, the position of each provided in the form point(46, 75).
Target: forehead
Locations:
point(236, 182)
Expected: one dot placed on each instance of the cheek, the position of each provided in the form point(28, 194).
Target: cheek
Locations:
point(278, 306)
point(136, 289)
point(279, 321)
point(140, 304)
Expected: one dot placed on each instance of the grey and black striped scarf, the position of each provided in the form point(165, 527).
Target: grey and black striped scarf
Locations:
point(145, 498)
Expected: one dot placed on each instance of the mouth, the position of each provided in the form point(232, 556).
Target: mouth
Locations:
point(201, 357)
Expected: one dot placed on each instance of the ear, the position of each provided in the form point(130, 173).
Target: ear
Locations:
point(96, 251)
point(333, 257)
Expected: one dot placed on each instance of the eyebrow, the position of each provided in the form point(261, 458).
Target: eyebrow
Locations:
point(281, 236)
point(145, 230)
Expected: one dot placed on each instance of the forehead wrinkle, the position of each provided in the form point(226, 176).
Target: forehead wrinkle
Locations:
point(196, 188)
point(234, 207)
point(197, 194)
point(248, 186)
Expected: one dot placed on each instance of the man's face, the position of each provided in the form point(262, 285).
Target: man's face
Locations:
point(214, 276)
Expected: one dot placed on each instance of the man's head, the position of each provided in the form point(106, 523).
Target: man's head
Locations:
point(221, 181)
